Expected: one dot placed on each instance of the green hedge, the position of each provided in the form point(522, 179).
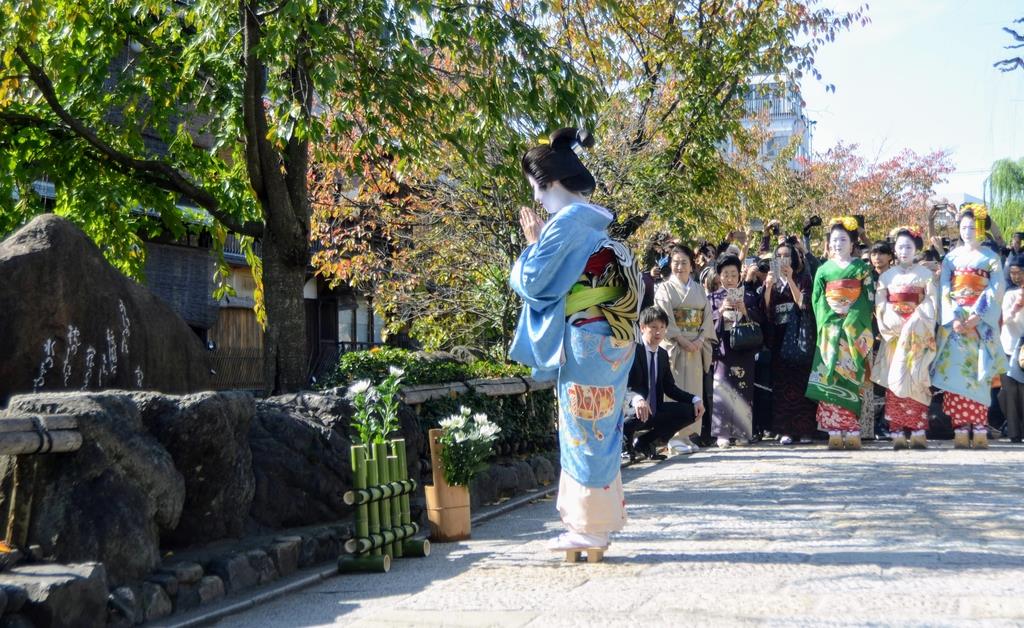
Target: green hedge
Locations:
point(374, 364)
point(527, 421)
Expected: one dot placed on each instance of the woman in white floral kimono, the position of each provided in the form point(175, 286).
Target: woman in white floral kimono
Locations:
point(905, 308)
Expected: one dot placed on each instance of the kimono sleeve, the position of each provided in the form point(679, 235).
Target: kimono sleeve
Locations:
point(949, 310)
point(540, 275)
point(889, 322)
point(663, 298)
point(818, 303)
point(989, 304)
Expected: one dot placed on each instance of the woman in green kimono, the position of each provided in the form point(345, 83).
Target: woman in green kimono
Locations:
point(842, 298)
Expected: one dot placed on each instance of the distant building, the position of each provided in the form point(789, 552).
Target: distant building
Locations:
point(781, 108)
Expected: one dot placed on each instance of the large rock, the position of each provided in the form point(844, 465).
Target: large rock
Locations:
point(302, 468)
point(302, 458)
point(110, 500)
point(74, 596)
point(72, 321)
point(207, 435)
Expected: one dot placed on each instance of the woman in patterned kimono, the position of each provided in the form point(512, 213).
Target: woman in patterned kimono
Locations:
point(690, 334)
point(842, 296)
point(581, 295)
point(792, 411)
point(969, 354)
point(905, 308)
point(733, 416)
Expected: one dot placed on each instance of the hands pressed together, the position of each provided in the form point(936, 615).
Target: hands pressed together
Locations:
point(531, 224)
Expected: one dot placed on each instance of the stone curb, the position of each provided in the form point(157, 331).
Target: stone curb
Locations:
point(301, 581)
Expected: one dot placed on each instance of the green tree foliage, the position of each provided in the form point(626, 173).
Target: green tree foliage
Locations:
point(243, 95)
point(437, 243)
point(676, 74)
point(1006, 194)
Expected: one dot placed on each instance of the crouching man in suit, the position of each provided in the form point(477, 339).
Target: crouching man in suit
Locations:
point(650, 381)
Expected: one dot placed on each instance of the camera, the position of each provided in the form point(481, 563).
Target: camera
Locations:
point(791, 240)
point(763, 266)
point(815, 221)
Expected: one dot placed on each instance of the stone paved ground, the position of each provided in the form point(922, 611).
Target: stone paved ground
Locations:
point(759, 536)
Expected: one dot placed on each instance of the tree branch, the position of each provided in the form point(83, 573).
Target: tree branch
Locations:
point(153, 171)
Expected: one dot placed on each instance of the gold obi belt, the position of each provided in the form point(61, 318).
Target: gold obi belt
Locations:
point(688, 319)
point(968, 284)
point(841, 294)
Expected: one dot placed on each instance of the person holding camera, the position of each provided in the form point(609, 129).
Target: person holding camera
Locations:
point(737, 317)
point(790, 337)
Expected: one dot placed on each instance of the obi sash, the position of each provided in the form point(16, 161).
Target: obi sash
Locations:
point(841, 294)
point(607, 290)
point(688, 318)
point(905, 299)
point(967, 285)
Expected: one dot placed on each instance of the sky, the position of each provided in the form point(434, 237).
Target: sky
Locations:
point(920, 76)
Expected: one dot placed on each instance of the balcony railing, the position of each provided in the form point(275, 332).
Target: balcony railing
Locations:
point(327, 357)
point(772, 107)
point(233, 249)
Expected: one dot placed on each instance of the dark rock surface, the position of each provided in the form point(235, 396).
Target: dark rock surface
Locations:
point(301, 467)
point(73, 596)
point(207, 434)
point(111, 500)
point(72, 321)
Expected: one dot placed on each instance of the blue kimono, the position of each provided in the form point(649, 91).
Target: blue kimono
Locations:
point(972, 282)
point(591, 364)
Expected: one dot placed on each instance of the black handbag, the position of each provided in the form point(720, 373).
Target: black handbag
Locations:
point(798, 340)
point(746, 335)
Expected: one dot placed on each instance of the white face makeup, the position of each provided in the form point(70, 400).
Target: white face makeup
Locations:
point(967, 231)
point(543, 197)
point(905, 250)
point(839, 244)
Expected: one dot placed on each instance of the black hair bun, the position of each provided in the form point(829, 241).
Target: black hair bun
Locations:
point(566, 138)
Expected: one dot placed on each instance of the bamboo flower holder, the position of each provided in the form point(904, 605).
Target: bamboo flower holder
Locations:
point(447, 505)
point(383, 524)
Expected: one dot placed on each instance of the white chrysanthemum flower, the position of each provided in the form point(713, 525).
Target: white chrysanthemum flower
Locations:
point(464, 411)
point(395, 371)
point(480, 418)
point(358, 388)
point(489, 430)
point(461, 437)
point(446, 423)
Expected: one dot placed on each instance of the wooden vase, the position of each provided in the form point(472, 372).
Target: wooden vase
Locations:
point(447, 506)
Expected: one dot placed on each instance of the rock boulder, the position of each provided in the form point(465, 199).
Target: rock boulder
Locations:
point(207, 435)
point(108, 501)
point(72, 321)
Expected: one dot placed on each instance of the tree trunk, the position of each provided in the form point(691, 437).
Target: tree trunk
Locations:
point(284, 343)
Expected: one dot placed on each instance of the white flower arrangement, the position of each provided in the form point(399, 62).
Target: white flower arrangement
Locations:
point(467, 439)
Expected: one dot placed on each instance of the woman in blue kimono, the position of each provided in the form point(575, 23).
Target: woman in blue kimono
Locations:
point(581, 292)
point(969, 353)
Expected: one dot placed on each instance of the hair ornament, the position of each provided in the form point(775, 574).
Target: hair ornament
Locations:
point(848, 222)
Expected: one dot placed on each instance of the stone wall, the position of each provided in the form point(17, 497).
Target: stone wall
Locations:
point(159, 473)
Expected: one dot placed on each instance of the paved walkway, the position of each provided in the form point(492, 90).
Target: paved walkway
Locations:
point(758, 536)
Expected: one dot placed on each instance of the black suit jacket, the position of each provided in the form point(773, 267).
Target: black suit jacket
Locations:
point(666, 384)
